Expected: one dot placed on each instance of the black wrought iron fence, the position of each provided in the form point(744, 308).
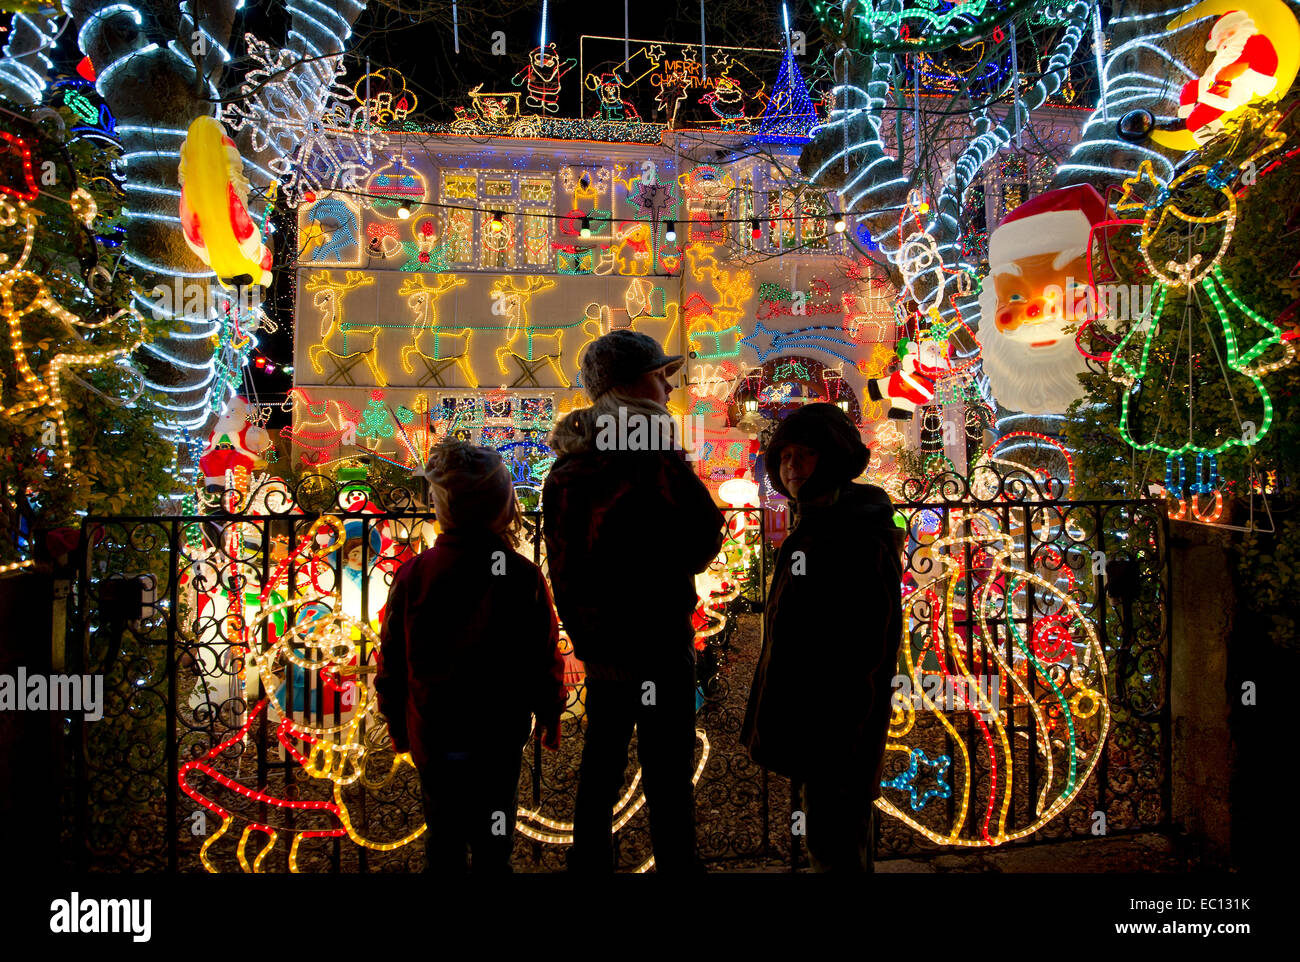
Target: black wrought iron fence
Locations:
point(239, 731)
point(1032, 694)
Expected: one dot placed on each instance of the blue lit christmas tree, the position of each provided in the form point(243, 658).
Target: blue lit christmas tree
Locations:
point(790, 115)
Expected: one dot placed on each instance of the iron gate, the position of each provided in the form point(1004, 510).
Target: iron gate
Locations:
point(271, 758)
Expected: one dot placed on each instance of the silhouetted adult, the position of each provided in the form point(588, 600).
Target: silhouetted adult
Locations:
point(628, 524)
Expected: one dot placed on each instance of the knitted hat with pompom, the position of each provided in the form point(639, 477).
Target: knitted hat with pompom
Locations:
point(473, 483)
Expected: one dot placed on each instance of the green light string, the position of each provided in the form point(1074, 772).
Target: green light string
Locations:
point(1065, 705)
point(938, 23)
point(1215, 288)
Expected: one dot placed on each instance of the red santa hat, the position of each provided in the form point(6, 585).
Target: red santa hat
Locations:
point(1058, 221)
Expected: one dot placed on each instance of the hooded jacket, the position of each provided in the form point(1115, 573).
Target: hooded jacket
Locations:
point(819, 707)
point(468, 649)
point(626, 532)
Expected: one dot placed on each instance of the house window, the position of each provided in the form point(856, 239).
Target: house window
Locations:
point(525, 205)
point(537, 239)
point(459, 232)
point(498, 244)
point(798, 217)
point(708, 205)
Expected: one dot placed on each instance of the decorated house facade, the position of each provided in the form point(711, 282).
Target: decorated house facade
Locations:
point(455, 291)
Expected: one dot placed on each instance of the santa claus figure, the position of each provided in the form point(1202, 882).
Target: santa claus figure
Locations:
point(541, 78)
point(1244, 68)
point(234, 443)
point(912, 385)
point(1036, 288)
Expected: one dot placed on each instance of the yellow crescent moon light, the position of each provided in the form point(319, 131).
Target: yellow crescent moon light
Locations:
point(1274, 20)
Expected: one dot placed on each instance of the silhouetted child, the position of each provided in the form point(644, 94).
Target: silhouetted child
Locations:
point(835, 601)
point(469, 651)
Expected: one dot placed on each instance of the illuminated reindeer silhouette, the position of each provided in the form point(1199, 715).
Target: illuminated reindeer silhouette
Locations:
point(329, 301)
point(450, 345)
point(515, 305)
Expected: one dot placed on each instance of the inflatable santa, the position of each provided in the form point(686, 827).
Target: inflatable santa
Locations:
point(1244, 68)
point(1038, 273)
point(235, 442)
point(912, 385)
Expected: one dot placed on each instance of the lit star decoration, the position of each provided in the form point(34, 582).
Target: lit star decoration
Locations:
point(652, 199)
point(804, 338)
point(906, 781)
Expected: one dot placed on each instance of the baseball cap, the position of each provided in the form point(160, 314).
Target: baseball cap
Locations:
point(620, 357)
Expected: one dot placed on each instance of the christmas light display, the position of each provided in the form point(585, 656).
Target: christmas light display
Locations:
point(895, 27)
point(491, 112)
point(328, 299)
point(542, 342)
point(25, 64)
point(38, 387)
point(857, 147)
point(294, 107)
point(1062, 656)
point(789, 115)
point(1165, 227)
point(450, 345)
point(330, 231)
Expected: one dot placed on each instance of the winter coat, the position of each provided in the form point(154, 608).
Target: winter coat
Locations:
point(626, 532)
point(819, 707)
point(820, 703)
point(469, 649)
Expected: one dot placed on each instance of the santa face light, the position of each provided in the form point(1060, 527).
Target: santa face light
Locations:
point(1031, 302)
point(1031, 299)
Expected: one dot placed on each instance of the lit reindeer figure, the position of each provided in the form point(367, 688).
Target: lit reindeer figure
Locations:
point(448, 344)
point(514, 302)
point(329, 301)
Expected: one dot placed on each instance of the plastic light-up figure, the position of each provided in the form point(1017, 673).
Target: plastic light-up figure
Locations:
point(1025, 309)
point(1255, 45)
point(354, 497)
point(235, 442)
point(214, 207)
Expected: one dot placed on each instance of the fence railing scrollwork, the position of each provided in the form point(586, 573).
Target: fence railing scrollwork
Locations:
point(239, 731)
